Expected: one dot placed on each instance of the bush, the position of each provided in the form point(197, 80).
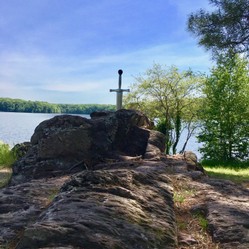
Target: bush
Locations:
point(7, 157)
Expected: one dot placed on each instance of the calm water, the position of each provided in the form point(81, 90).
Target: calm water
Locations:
point(19, 127)
point(16, 127)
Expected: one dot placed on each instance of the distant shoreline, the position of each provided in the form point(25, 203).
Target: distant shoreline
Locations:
point(28, 106)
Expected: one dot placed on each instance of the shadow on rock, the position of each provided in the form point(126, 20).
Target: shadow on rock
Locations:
point(67, 144)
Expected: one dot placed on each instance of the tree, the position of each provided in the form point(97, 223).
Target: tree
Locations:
point(168, 97)
point(224, 29)
point(18, 105)
point(225, 113)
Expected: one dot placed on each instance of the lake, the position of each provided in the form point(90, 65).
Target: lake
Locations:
point(16, 127)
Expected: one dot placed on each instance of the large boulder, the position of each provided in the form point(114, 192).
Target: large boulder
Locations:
point(192, 162)
point(68, 143)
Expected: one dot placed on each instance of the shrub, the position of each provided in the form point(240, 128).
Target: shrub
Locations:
point(7, 156)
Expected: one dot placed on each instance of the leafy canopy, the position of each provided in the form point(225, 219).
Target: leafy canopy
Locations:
point(225, 112)
point(166, 95)
point(224, 29)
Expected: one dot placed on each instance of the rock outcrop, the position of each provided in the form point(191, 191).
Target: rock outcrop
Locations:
point(120, 208)
point(22, 204)
point(224, 204)
point(117, 200)
point(66, 144)
point(105, 184)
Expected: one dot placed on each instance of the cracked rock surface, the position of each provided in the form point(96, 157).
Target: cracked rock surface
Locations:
point(224, 204)
point(124, 200)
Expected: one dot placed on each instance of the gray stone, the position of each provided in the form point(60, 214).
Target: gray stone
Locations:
point(22, 204)
point(66, 144)
point(121, 196)
point(228, 212)
point(116, 208)
point(21, 149)
point(192, 161)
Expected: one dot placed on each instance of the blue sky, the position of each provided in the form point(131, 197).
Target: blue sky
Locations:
point(69, 51)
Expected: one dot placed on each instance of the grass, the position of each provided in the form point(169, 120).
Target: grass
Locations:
point(180, 195)
point(185, 197)
point(181, 191)
point(235, 175)
point(233, 164)
point(202, 221)
point(7, 156)
point(235, 171)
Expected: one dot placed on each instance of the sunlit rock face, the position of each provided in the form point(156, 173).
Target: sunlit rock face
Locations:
point(128, 208)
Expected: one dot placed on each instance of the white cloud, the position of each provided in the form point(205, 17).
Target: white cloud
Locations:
point(72, 86)
point(29, 73)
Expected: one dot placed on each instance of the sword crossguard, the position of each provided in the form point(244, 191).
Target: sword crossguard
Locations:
point(119, 91)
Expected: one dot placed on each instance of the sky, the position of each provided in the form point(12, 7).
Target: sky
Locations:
point(70, 51)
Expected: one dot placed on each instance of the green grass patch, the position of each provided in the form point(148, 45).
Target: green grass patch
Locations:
point(181, 195)
point(235, 164)
point(203, 222)
point(7, 156)
point(179, 198)
point(236, 175)
point(235, 171)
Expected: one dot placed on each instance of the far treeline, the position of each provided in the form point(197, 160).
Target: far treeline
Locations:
point(18, 105)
